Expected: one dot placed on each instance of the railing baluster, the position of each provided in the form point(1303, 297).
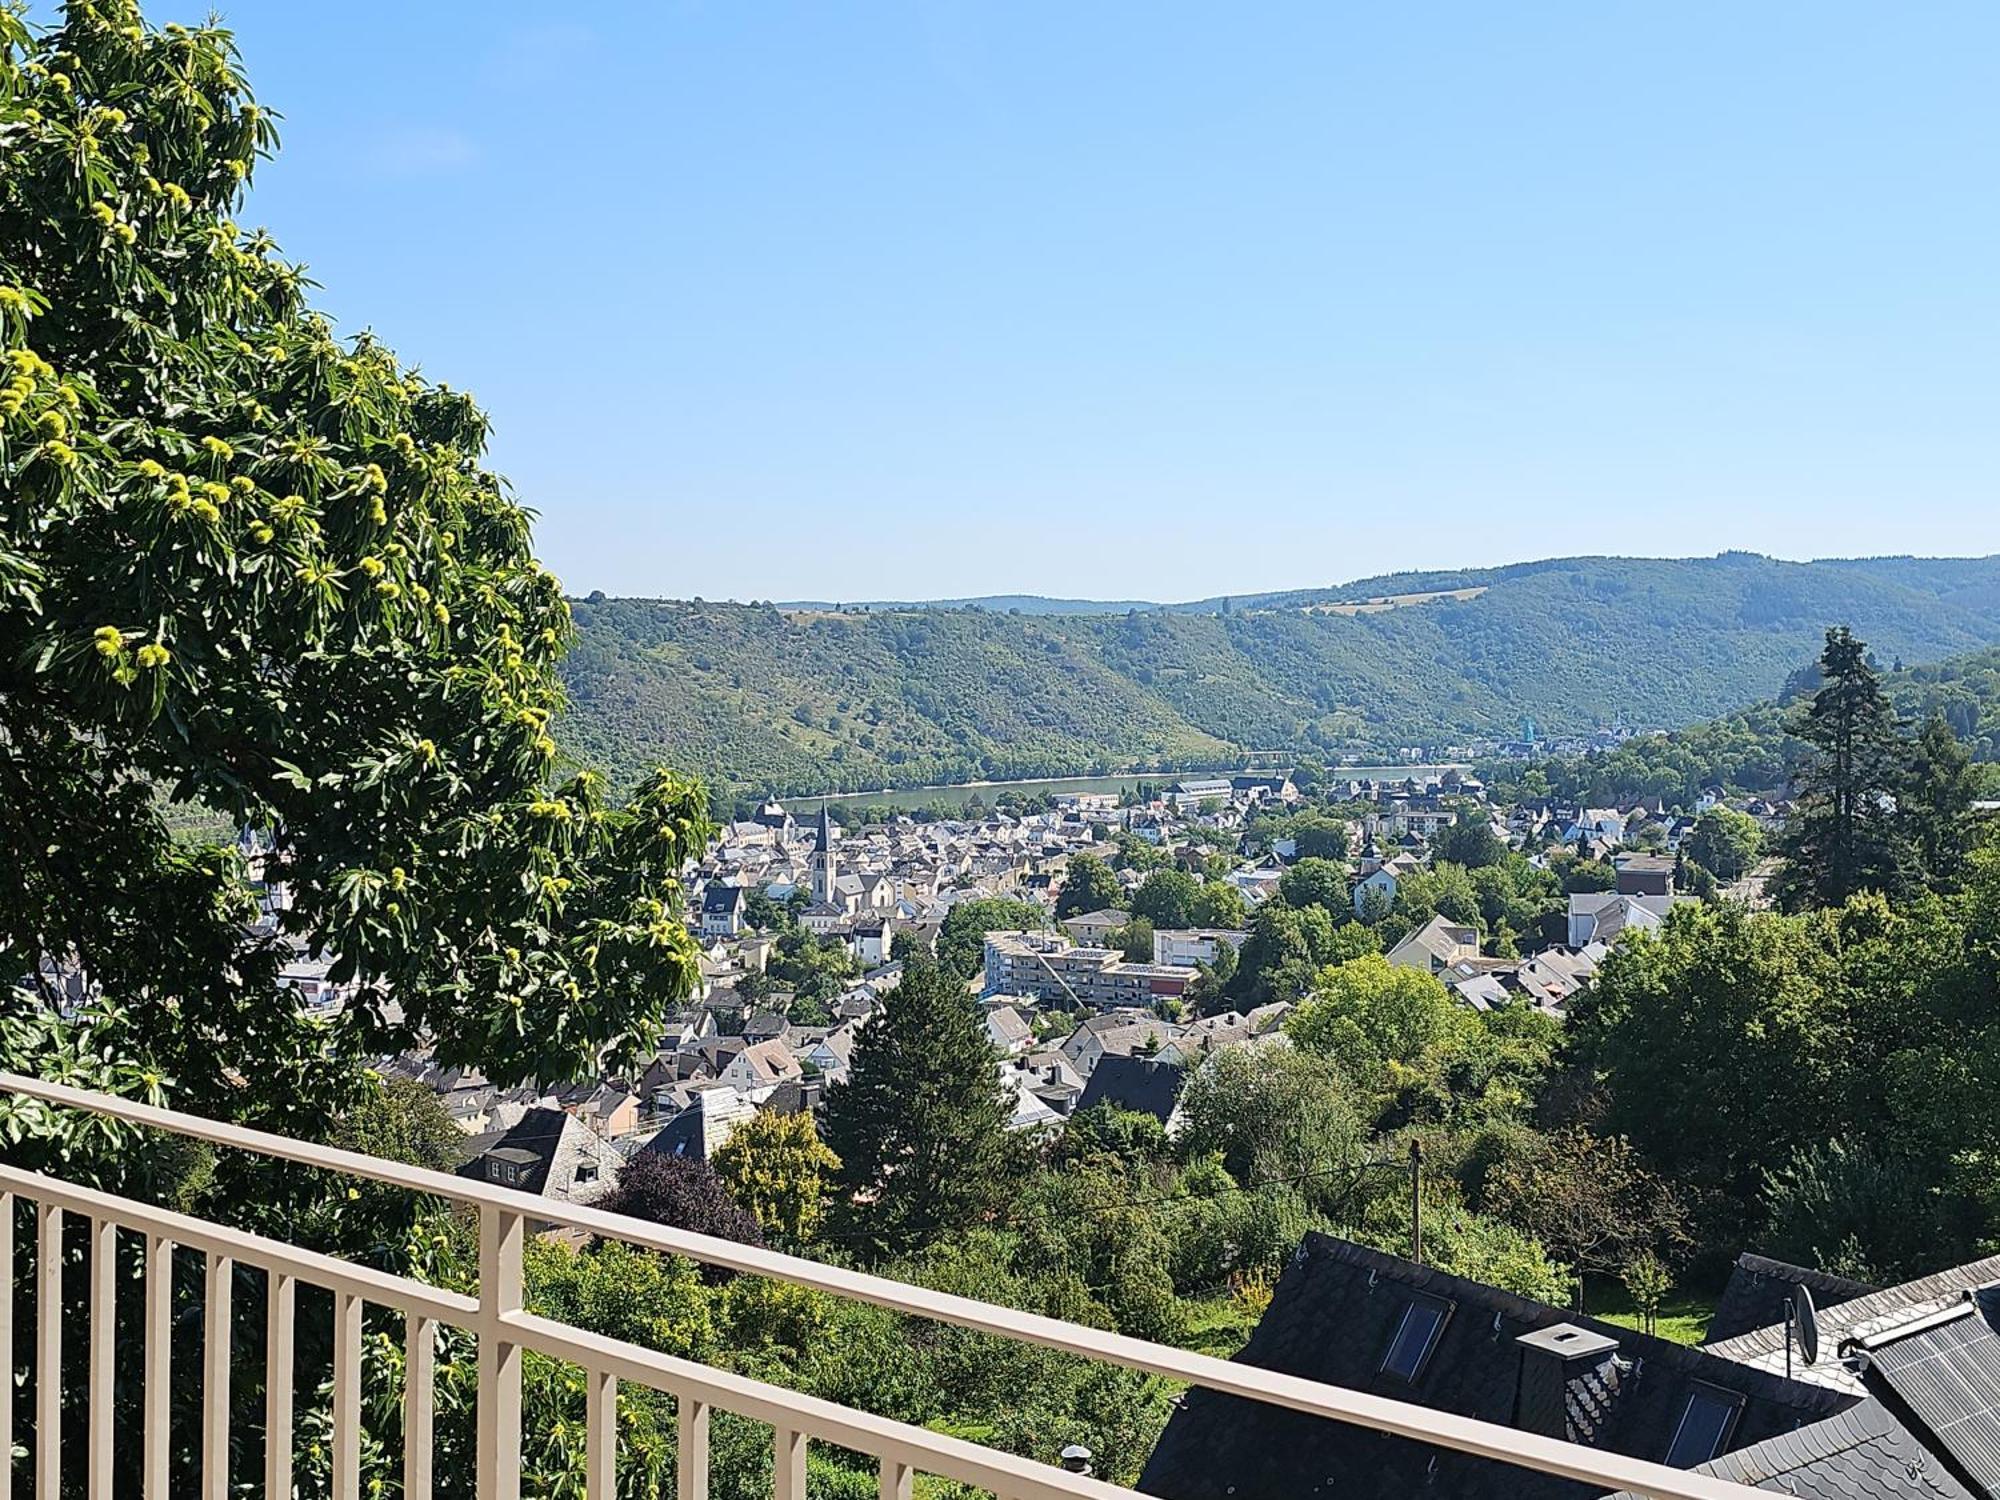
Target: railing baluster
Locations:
point(346, 1396)
point(896, 1480)
point(691, 1464)
point(103, 1330)
point(501, 1231)
point(215, 1341)
point(48, 1353)
point(419, 1402)
point(788, 1465)
point(601, 1440)
point(159, 1393)
point(279, 1372)
point(7, 1347)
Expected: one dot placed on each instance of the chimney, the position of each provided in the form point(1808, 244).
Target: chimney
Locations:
point(1550, 1359)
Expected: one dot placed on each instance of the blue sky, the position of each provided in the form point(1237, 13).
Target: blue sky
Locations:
point(1158, 300)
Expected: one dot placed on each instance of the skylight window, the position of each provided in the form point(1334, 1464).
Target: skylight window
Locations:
point(1705, 1426)
point(1416, 1336)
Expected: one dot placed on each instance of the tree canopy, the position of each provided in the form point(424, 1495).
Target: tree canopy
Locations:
point(961, 943)
point(245, 563)
point(1725, 842)
point(1088, 885)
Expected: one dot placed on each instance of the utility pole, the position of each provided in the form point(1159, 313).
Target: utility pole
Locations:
point(1417, 1201)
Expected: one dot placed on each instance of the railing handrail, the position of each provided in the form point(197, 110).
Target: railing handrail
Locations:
point(1615, 1472)
point(1004, 1473)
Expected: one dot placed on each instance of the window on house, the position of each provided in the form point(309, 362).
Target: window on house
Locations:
point(586, 1171)
point(1416, 1336)
point(1704, 1427)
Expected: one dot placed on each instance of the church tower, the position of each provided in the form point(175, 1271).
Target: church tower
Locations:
point(825, 861)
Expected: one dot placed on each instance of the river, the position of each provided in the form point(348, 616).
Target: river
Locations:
point(957, 792)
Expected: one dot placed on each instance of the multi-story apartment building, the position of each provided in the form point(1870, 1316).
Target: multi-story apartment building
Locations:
point(1046, 967)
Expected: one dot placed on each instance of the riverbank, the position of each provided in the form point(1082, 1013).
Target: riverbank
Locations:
point(954, 793)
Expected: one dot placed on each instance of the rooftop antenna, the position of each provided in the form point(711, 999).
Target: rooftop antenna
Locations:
point(1801, 1323)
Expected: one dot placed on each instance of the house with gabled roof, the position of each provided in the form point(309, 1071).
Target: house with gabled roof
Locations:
point(1857, 1319)
point(549, 1152)
point(711, 1116)
point(1377, 1323)
point(1148, 1085)
point(722, 909)
point(1124, 1033)
point(760, 1066)
point(1436, 946)
point(1760, 1290)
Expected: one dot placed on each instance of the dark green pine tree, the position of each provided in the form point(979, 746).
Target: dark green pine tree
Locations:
point(920, 1124)
point(1846, 835)
point(1937, 803)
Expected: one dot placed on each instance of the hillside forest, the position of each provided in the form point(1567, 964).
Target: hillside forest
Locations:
point(759, 700)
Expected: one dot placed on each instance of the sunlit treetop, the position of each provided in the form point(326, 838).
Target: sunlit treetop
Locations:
point(246, 563)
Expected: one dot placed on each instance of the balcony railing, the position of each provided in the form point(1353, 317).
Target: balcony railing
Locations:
point(503, 1328)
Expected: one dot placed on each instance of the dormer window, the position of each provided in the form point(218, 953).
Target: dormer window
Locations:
point(1416, 1336)
point(1705, 1426)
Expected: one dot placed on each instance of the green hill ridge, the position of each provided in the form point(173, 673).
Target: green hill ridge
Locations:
point(758, 699)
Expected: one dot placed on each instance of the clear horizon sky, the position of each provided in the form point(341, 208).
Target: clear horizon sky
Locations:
point(901, 300)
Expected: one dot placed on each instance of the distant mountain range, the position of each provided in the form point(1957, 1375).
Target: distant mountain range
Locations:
point(1928, 574)
point(807, 698)
point(1006, 604)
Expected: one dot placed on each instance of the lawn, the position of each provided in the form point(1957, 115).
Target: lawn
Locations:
point(1683, 1316)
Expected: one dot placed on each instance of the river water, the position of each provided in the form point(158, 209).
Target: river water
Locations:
point(955, 794)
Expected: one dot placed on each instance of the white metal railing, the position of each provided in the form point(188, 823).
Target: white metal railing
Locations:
point(503, 1328)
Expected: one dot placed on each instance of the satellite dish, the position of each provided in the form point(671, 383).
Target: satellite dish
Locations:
point(1806, 1319)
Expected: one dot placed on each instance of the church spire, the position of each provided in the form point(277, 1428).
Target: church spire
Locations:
point(824, 859)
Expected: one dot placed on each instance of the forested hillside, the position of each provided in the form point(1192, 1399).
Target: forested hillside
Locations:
point(1754, 751)
point(761, 699)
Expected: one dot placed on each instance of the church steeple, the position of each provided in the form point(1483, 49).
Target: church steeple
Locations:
point(825, 861)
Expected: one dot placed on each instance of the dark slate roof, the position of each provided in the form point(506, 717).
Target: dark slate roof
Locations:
point(720, 899)
point(792, 1097)
point(536, 1137)
point(1759, 1289)
point(1861, 1454)
point(1332, 1318)
point(1140, 1083)
point(1939, 1371)
point(1860, 1318)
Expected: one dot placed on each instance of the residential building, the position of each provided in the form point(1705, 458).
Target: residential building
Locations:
point(1046, 968)
point(1090, 929)
point(1184, 949)
point(547, 1152)
point(1379, 1324)
point(1436, 946)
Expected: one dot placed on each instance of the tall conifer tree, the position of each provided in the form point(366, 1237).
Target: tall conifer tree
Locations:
point(920, 1124)
point(1846, 836)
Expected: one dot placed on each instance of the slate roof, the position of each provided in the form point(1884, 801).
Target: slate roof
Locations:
point(1760, 1289)
point(1861, 1454)
point(546, 1150)
point(1765, 1347)
point(1939, 1371)
point(1334, 1316)
point(1139, 1083)
point(721, 900)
